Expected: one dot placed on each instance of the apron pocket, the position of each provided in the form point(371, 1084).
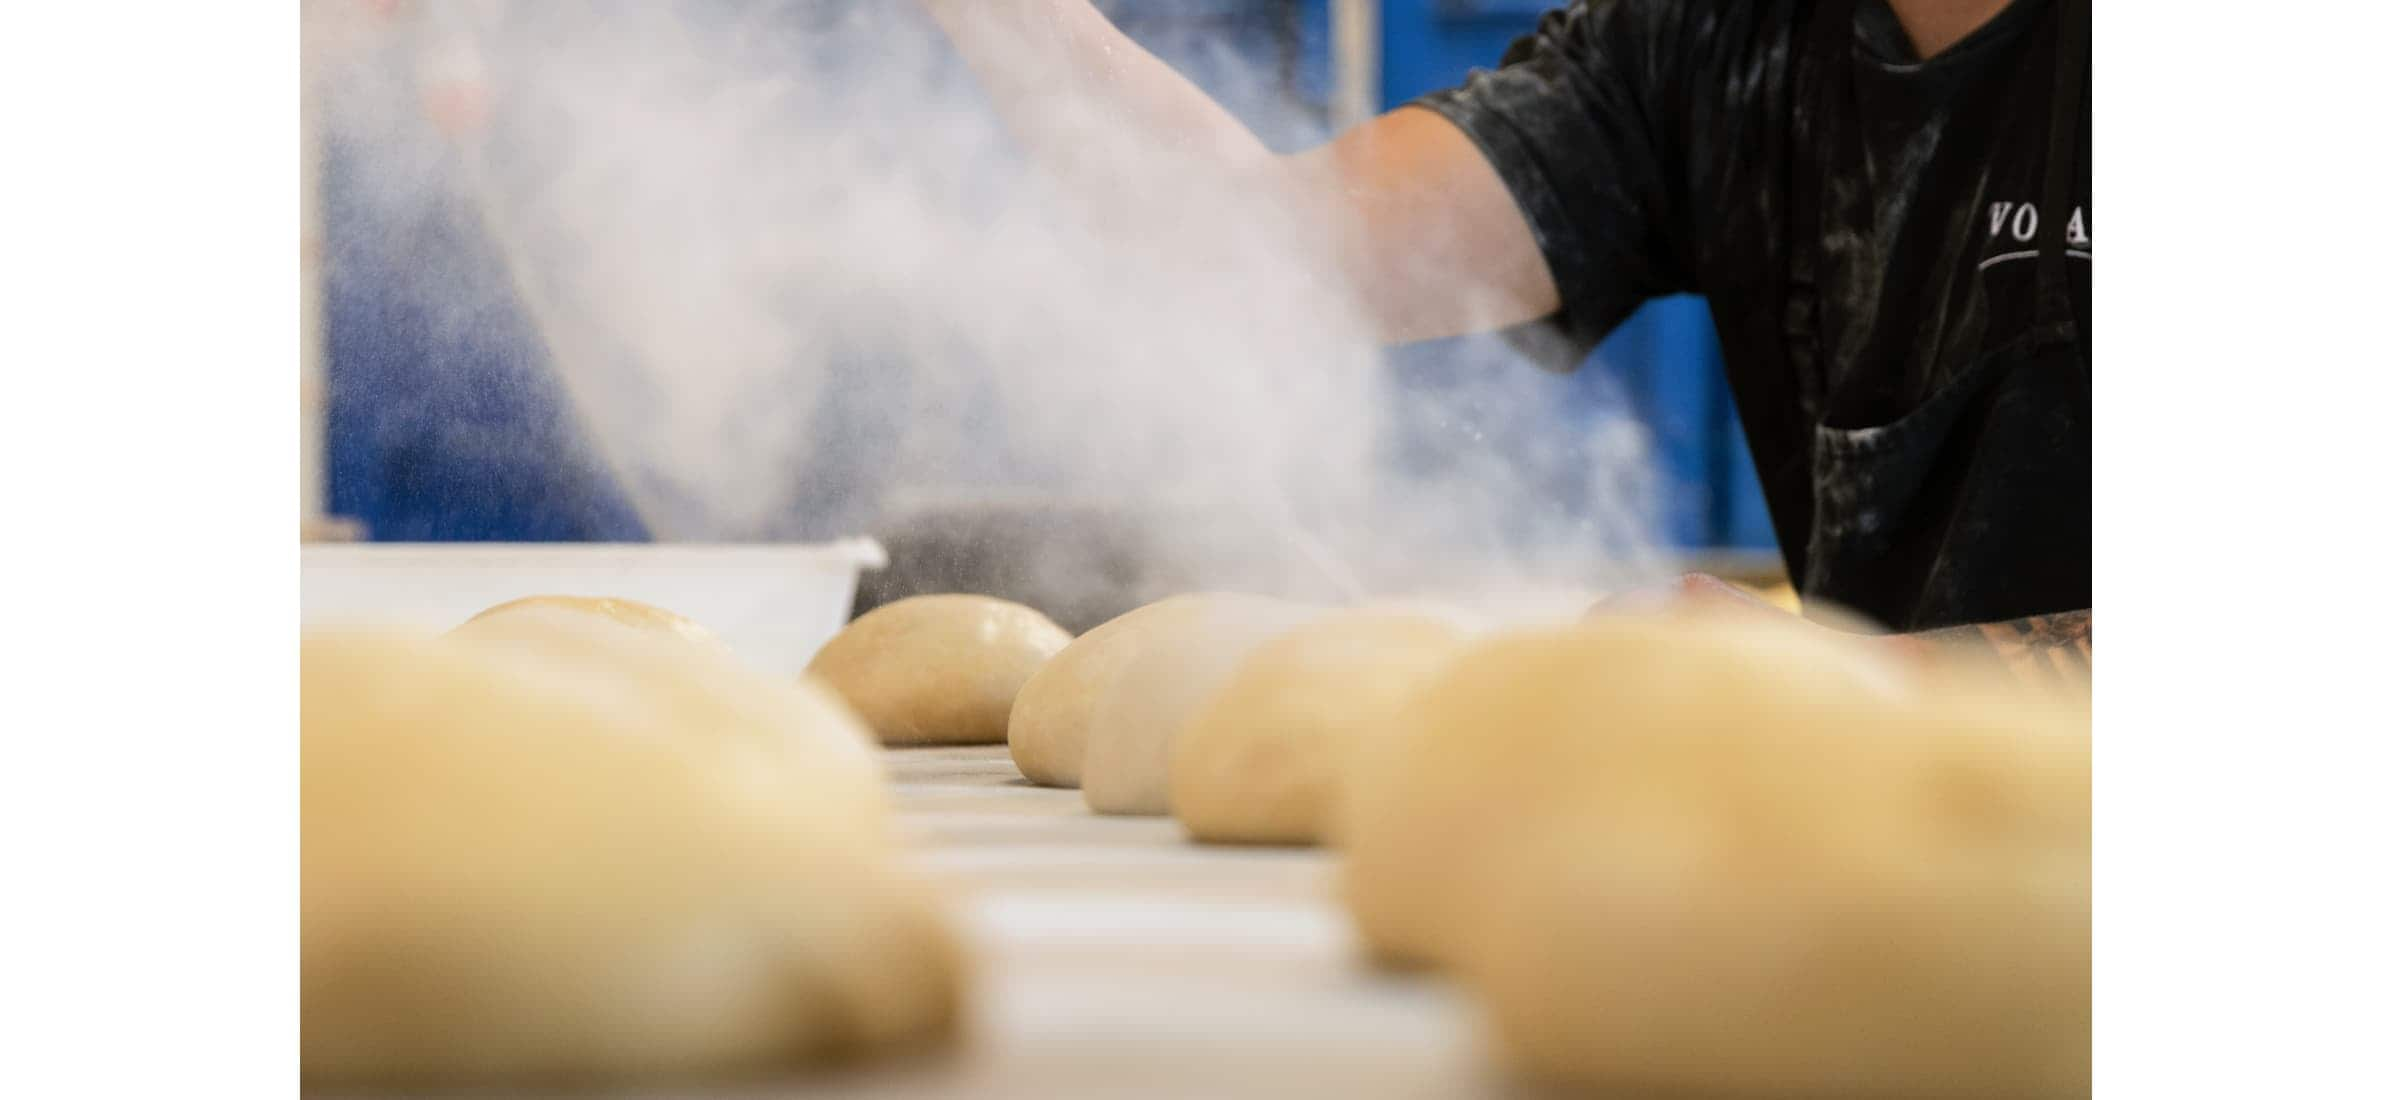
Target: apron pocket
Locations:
point(1867, 477)
point(1893, 505)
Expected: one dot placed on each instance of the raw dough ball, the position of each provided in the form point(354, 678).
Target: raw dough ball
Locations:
point(1859, 898)
point(711, 694)
point(1134, 717)
point(593, 859)
point(534, 611)
point(938, 670)
point(1701, 596)
point(1501, 734)
point(1048, 729)
point(1783, 597)
point(1266, 761)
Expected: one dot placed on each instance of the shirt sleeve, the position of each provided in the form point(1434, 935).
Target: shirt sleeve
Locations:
point(1573, 122)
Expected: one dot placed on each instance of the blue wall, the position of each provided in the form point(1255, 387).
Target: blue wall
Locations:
point(444, 426)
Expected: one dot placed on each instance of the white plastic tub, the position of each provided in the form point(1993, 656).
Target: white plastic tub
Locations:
point(775, 605)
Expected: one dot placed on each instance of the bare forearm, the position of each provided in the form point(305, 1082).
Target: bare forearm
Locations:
point(2039, 649)
point(1401, 215)
point(1061, 73)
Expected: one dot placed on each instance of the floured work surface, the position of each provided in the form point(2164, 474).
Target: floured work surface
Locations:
point(1116, 958)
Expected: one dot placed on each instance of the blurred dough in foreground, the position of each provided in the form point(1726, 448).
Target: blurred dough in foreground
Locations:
point(591, 859)
point(1710, 861)
point(938, 670)
point(1266, 761)
point(1468, 767)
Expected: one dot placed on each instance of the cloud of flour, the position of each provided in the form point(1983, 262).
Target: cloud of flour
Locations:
point(795, 280)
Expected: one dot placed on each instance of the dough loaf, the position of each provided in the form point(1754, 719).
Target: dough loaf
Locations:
point(590, 858)
point(1865, 900)
point(1496, 738)
point(1700, 596)
point(1723, 858)
point(535, 612)
point(938, 670)
point(1782, 596)
point(1048, 729)
point(1156, 691)
point(1266, 761)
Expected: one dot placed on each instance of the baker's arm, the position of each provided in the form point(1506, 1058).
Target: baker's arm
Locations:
point(1403, 211)
point(2039, 649)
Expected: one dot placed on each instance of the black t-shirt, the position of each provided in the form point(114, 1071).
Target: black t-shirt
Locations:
point(1869, 230)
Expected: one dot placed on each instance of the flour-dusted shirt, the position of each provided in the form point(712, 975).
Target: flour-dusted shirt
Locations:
point(1867, 227)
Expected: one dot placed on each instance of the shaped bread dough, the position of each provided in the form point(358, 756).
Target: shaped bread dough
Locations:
point(1783, 597)
point(594, 858)
point(710, 694)
point(1862, 898)
point(535, 611)
point(1701, 596)
point(1135, 717)
point(1506, 725)
point(1048, 729)
point(938, 670)
point(1266, 761)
